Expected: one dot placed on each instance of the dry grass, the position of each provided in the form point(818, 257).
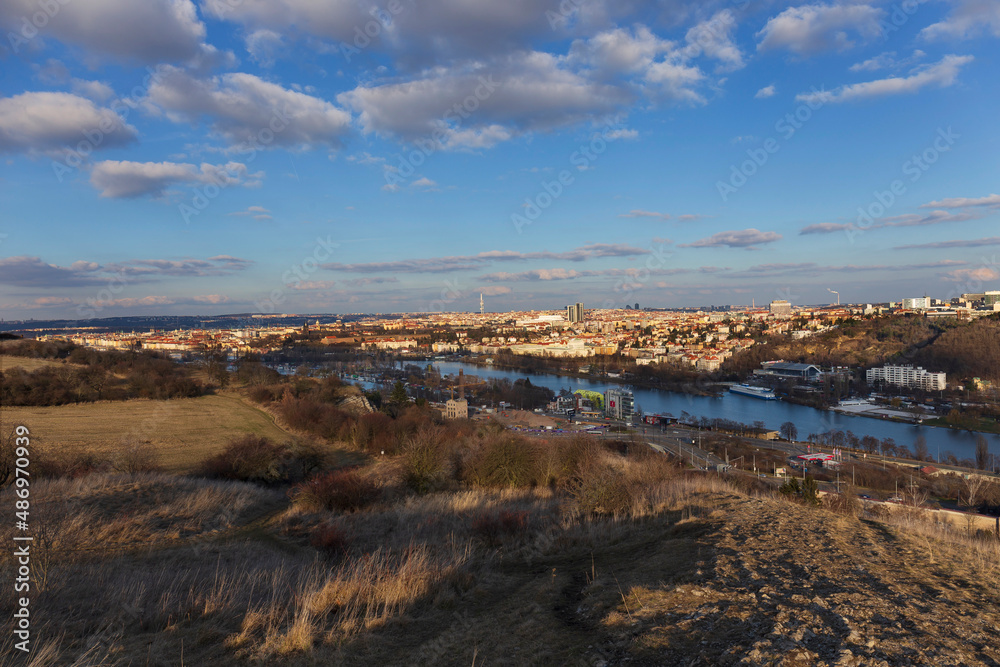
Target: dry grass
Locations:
point(183, 431)
point(32, 364)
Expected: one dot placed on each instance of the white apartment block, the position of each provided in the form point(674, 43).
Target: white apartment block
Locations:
point(908, 376)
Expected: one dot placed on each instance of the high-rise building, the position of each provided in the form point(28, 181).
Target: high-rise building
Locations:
point(619, 404)
point(907, 376)
point(575, 312)
point(991, 297)
point(918, 303)
point(781, 308)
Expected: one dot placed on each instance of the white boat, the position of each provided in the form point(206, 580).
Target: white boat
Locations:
point(756, 392)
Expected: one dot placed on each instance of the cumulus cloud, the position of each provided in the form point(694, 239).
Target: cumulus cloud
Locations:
point(123, 179)
point(56, 122)
point(981, 274)
point(811, 29)
point(765, 92)
point(245, 109)
point(470, 105)
point(826, 228)
point(746, 238)
point(968, 19)
point(149, 31)
point(941, 75)
point(263, 46)
point(24, 271)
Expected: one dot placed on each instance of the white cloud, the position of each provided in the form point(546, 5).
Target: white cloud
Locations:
point(245, 109)
point(968, 19)
point(746, 238)
point(714, 39)
point(55, 122)
point(887, 60)
point(472, 105)
point(423, 182)
point(639, 213)
point(98, 91)
point(263, 46)
point(942, 75)
point(965, 202)
point(765, 92)
point(815, 28)
point(123, 179)
point(981, 274)
point(149, 31)
point(256, 212)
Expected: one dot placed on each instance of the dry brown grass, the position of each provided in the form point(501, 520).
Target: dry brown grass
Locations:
point(32, 364)
point(182, 431)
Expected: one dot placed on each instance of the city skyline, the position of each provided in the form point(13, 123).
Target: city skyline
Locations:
point(387, 157)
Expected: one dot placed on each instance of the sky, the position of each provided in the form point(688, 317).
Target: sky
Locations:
point(297, 156)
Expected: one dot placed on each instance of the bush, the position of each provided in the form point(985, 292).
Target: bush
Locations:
point(493, 528)
point(341, 490)
point(330, 539)
point(249, 458)
point(601, 489)
point(133, 455)
point(504, 461)
point(425, 464)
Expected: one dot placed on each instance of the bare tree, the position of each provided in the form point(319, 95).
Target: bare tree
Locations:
point(973, 488)
point(982, 453)
point(789, 431)
point(920, 448)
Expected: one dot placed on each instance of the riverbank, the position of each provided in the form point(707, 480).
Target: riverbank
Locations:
point(701, 386)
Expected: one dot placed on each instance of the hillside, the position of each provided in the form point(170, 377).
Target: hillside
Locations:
point(696, 573)
point(962, 349)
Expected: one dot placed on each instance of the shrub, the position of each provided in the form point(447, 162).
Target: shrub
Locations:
point(601, 489)
point(341, 490)
point(249, 458)
point(492, 528)
point(504, 461)
point(330, 539)
point(425, 463)
point(133, 455)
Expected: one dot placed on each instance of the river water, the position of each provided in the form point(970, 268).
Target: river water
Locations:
point(747, 410)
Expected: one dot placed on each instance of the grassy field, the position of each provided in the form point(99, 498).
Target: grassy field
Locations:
point(184, 431)
point(31, 364)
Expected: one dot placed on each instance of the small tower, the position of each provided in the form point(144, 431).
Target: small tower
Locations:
point(482, 307)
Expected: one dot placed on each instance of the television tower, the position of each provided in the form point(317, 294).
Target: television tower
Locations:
point(482, 308)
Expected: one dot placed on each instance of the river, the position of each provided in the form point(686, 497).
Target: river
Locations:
point(747, 410)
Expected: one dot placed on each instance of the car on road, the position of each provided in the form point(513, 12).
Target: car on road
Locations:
point(864, 496)
point(895, 499)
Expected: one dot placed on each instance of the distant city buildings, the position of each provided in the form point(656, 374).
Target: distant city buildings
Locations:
point(575, 312)
point(918, 303)
point(781, 308)
point(907, 376)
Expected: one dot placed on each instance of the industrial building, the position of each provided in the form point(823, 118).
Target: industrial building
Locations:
point(785, 369)
point(781, 308)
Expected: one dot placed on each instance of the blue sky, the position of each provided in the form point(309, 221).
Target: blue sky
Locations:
point(173, 157)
